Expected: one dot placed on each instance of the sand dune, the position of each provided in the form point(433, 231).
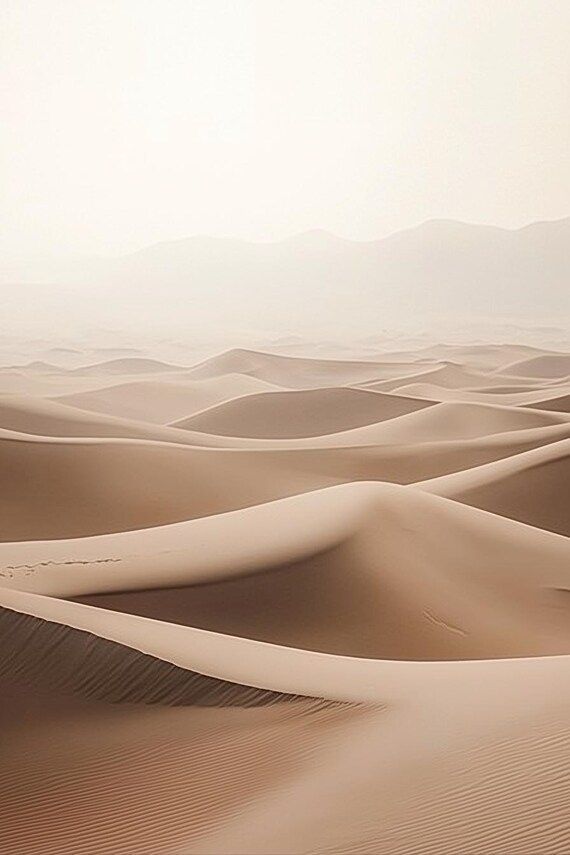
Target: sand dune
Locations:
point(37, 366)
point(311, 541)
point(324, 612)
point(445, 422)
point(533, 487)
point(198, 780)
point(452, 420)
point(447, 376)
point(506, 396)
point(258, 716)
point(295, 372)
point(300, 414)
point(128, 365)
point(560, 404)
point(548, 366)
point(483, 357)
point(60, 487)
point(42, 417)
point(163, 402)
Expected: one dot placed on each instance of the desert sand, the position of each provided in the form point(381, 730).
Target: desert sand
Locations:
point(286, 604)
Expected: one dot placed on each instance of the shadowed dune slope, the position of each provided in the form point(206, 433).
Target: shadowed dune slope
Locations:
point(551, 365)
point(300, 414)
point(458, 420)
point(386, 589)
point(183, 774)
point(560, 404)
point(244, 725)
point(60, 487)
point(533, 487)
point(357, 569)
point(42, 417)
point(162, 402)
point(195, 780)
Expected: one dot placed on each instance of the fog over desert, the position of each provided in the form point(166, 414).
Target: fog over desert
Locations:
point(285, 429)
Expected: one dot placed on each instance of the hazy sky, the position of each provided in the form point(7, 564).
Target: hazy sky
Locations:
point(126, 122)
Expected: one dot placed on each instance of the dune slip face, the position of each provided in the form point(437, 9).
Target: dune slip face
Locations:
point(279, 603)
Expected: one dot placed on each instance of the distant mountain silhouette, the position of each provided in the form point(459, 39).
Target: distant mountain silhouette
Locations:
point(441, 266)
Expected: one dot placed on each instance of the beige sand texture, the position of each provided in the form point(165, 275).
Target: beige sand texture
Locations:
point(128, 365)
point(297, 372)
point(549, 365)
point(284, 415)
point(543, 398)
point(166, 401)
point(271, 605)
point(449, 375)
point(559, 404)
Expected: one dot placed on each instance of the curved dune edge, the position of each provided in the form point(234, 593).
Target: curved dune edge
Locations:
point(560, 404)
point(24, 416)
point(556, 401)
point(532, 487)
point(57, 657)
point(285, 671)
point(162, 401)
point(391, 729)
point(60, 487)
point(286, 531)
point(549, 366)
point(300, 414)
point(387, 567)
point(170, 780)
point(442, 422)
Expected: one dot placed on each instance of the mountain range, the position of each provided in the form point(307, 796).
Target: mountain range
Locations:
point(317, 279)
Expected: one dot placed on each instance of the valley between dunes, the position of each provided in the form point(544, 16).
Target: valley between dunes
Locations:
point(287, 605)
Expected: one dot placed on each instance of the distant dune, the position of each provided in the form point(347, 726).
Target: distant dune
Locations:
point(164, 401)
point(38, 366)
point(447, 376)
point(291, 371)
point(281, 415)
point(506, 396)
point(128, 365)
point(547, 366)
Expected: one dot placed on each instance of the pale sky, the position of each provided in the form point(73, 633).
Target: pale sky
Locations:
point(127, 122)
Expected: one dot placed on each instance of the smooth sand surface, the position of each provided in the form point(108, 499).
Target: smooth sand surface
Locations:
point(300, 414)
point(533, 487)
point(325, 611)
point(541, 398)
point(164, 401)
point(547, 366)
point(446, 376)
